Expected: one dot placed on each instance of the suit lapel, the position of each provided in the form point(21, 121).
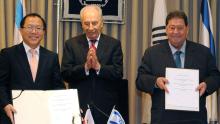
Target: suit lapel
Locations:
point(101, 47)
point(41, 63)
point(189, 55)
point(166, 52)
point(23, 61)
point(83, 44)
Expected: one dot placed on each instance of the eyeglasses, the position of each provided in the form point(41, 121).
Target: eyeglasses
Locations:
point(87, 23)
point(31, 28)
point(177, 27)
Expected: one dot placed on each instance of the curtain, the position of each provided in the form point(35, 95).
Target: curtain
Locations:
point(135, 36)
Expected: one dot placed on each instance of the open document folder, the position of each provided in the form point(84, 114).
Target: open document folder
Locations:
point(182, 89)
point(46, 107)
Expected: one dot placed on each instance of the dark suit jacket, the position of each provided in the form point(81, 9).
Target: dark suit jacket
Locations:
point(15, 72)
point(153, 65)
point(96, 90)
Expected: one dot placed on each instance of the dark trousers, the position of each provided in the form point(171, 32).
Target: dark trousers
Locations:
point(4, 118)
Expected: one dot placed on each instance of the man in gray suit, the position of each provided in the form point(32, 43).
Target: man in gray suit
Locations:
point(17, 70)
point(92, 63)
point(151, 73)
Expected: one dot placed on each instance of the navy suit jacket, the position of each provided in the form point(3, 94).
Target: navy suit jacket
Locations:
point(153, 65)
point(97, 90)
point(15, 72)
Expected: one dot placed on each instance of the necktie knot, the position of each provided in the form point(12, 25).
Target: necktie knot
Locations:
point(93, 44)
point(177, 59)
point(33, 52)
point(93, 41)
point(177, 53)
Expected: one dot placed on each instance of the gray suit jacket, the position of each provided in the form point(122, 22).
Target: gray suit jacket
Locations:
point(15, 73)
point(96, 90)
point(153, 65)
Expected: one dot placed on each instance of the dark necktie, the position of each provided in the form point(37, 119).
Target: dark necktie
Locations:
point(177, 59)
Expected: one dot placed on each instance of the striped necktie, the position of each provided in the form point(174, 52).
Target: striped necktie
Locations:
point(93, 44)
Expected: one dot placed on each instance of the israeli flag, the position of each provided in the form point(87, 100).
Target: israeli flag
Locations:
point(115, 118)
point(206, 31)
point(19, 14)
point(206, 38)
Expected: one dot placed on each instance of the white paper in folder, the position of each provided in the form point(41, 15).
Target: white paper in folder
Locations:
point(46, 107)
point(182, 89)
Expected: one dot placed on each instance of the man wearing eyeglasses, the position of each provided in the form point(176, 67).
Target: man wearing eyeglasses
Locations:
point(190, 55)
point(27, 66)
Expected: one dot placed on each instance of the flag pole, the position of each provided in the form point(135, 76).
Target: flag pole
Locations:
point(114, 106)
point(88, 106)
point(58, 25)
point(207, 39)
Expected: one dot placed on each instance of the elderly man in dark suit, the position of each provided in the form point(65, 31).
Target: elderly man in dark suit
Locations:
point(151, 73)
point(27, 66)
point(92, 63)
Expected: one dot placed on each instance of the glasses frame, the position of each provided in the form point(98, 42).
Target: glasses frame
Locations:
point(32, 28)
point(179, 28)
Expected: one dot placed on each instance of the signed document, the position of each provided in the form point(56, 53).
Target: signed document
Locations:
point(46, 107)
point(182, 89)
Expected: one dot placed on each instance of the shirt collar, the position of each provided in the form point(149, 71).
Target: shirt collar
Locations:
point(27, 48)
point(182, 49)
point(90, 39)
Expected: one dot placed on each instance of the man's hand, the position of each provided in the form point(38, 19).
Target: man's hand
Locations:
point(95, 63)
point(201, 88)
point(161, 83)
point(92, 60)
point(9, 110)
point(89, 59)
point(88, 64)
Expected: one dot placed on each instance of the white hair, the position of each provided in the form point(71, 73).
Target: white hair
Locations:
point(91, 6)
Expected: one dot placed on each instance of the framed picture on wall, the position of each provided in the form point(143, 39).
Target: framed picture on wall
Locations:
point(113, 10)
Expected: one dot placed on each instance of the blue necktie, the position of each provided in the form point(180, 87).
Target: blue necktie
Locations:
point(177, 59)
